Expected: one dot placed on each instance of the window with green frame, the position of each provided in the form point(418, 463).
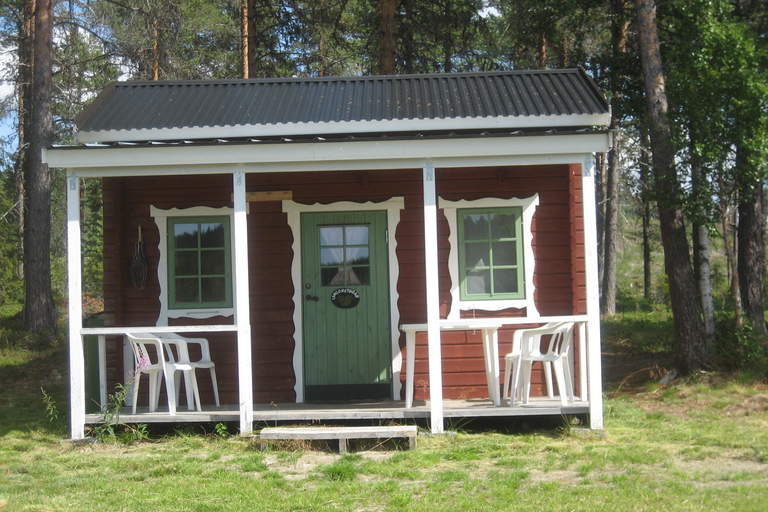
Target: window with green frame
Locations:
point(491, 253)
point(199, 262)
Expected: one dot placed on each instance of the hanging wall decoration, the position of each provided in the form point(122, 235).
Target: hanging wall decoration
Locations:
point(139, 268)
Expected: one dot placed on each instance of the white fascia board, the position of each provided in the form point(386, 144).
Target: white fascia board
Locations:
point(220, 158)
point(339, 127)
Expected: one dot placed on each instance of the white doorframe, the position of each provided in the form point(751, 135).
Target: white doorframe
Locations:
point(294, 210)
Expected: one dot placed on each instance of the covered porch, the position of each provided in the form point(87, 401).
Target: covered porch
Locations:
point(380, 157)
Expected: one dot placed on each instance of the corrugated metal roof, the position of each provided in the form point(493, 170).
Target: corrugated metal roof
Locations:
point(331, 102)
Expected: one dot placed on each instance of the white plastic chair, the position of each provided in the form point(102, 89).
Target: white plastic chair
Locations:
point(181, 355)
point(527, 350)
point(157, 367)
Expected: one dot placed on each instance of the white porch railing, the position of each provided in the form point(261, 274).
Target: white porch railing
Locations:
point(489, 328)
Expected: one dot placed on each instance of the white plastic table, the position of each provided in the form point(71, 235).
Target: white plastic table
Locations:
point(489, 327)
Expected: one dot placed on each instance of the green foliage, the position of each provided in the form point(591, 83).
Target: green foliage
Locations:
point(51, 409)
point(221, 430)
point(739, 348)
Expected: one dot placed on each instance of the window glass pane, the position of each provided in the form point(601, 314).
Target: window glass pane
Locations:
point(186, 263)
point(478, 281)
point(476, 226)
point(476, 255)
point(331, 256)
point(505, 253)
point(185, 235)
point(213, 262)
point(331, 235)
point(186, 290)
point(331, 276)
point(360, 275)
point(212, 235)
point(503, 226)
point(357, 255)
point(214, 289)
point(505, 280)
point(356, 235)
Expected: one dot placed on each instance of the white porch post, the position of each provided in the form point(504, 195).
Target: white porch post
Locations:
point(242, 305)
point(433, 299)
point(594, 371)
point(75, 312)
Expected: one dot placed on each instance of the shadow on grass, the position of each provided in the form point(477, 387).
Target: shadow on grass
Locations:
point(23, 375)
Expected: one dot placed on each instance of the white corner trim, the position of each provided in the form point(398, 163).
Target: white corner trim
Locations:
point(528, 205)
point(161, 218)
point(293, 210)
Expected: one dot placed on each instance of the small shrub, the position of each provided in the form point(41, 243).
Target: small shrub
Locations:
point(51, 409)
point(221, 430)
point(739, 347)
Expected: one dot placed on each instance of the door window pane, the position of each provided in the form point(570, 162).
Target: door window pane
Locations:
point(347, 260)
point(331, 256)
point(361, 275)
point(331, 235)
point(357, 255)
point(356, 235)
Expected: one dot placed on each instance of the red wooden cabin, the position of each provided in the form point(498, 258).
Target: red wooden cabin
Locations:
point(303, 226)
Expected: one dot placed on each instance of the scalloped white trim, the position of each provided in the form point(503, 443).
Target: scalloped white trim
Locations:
point(161, 217)
point(294, 210)
point(528, 205)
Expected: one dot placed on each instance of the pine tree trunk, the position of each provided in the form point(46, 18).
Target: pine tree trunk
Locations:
point(701, 245)
point(23, 104)
point(611, 227)
point(619, 29)
point(39, 309)
point(693, 349)
point(730, 243)
point(751, 247)
point(387, 37)
point(600, 215)
point(645, 198)
point(244, 62)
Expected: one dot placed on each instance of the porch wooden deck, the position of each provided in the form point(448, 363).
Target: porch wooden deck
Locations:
point(378, 410)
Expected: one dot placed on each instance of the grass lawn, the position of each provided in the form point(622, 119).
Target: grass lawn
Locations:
point(698, 445)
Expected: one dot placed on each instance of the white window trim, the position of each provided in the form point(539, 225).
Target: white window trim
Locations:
point(293, 210)
point(458, 305)
point(161, 220)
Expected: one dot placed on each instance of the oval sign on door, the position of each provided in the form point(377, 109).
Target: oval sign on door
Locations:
point(345, 298)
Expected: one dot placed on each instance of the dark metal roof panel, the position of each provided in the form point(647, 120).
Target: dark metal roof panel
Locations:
point(185, 104)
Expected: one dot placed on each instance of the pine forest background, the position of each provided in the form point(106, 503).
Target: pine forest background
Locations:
point(695, 187)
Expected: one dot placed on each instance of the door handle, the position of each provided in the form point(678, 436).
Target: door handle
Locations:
point(312, 297)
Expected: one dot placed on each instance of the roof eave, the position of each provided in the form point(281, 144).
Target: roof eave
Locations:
point(601, 119)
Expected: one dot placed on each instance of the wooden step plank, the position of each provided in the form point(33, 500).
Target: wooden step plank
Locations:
point(341, 434)
point(311, 433)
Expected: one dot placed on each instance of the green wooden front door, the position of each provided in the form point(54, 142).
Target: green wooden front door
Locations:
point(345, 297)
